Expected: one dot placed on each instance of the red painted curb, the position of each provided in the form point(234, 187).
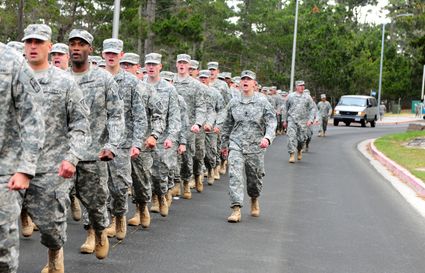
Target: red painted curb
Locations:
point(412, 181)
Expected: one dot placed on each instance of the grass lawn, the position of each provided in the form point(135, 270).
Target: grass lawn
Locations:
point(410, 158)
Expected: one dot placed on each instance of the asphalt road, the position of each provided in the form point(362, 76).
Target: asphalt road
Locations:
point(331, 212)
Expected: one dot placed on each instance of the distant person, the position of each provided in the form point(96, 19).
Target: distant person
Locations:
point(325, 111)
point(382, 110)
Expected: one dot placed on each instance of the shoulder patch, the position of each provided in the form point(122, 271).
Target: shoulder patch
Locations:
point(34, 84)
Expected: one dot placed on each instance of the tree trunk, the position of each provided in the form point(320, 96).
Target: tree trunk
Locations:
point(139, 38)
point(150, 16)
point(20, 20)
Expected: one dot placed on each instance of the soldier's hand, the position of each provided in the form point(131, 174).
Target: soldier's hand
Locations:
point(224, 152)
point(264, 143)
point(168, 144)
point(106, 155)
point(182, 149)
point(285, 124)
point(217, 130)
point(134, 152)
point(66, 169)
point(195, 128)
point(207, 128)
point(308, 123)
point(150, 142)
point(19, 181)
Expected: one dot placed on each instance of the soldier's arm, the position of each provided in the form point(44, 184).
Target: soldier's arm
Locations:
point(285, 108)
point(138, 112)
point(312, 110)
point(201, 105)
point(78, 124)
point(219, 108)
point(115, 116)
point(227, 127)
point(157, 112)
point(27, 99)
point(174, 123)
point(184, 122)
point(270, 120)
point(211, 113)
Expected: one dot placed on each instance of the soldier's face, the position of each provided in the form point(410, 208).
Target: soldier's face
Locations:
point(193, 72)
point(79, 50)
point(204, 80)
point(131, 68)
point(153, 70)
point(37, 51)
point(60, 60)
point(300, 88)
point(214, 73)
point(182, 67)
point(247, 84)
point(112, 59)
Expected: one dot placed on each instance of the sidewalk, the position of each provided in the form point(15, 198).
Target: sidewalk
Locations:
point(399, 119)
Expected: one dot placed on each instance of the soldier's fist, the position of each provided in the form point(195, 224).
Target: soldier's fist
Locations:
point(19, 181)
point(195, 129)
point(106, 155)
point(182, 149)
point(224, 152)
point(264, 143)
point(207, 128)
point(150, 142)
point(217, 130)
point(66, 169)
point(168, 144)
point(134, 152)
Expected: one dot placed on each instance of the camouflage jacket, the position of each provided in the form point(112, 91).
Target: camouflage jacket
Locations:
point(106, 111)
point(224, 90)
point(66, 121)
point(184, 121)
point(21, 122)
point(169, 98)
point(193, 93)
point(216, 105)
point(247, 122)
point(278, 102)
point(134, 109)
point(298, 108)
point(324, 109)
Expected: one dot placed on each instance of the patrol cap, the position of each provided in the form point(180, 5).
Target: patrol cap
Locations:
point(194, 64)
point(204, 74)
point(131, 58)
point(212, 65)
point(167, 75)
point(221, 76)
point(306, 91)
point(227, 75)
point(18, 46)
point(236, 79)
point(113, 45)
point(299, 83)
point(101, 63)
point(37, 31)
point(95, 59)
point(323, 96)
point(82, 34)
point(249, 74)
point(60, 48)
point(273, 87)
point(153, 58)
point(184, 58)
point(284, 93)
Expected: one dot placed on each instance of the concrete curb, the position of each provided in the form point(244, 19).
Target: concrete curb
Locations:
point(404, 175)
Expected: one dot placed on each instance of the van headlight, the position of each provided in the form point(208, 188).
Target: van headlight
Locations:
point(361, 113)
point(336, 112)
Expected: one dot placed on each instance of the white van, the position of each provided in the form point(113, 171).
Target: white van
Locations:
point(352, 108)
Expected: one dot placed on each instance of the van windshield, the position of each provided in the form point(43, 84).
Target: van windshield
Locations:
point(350, 101)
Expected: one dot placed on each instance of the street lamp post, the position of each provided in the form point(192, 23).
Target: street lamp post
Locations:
point(294, 48)
point(382, 59)
point(116, 20)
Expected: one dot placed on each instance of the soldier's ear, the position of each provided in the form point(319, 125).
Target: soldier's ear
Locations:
point(91, 50)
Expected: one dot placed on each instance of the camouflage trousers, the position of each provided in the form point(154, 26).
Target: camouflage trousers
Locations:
point(119, 182)
point(174, 175)
point(141, 175)
point(211, 152)
point(193, 158)
point(91, 185)
point(309, 135)
point(163, 161)
point(323, 124)
point(9, 233)
point(297, 135)
point(47, 202)
point(245, 167)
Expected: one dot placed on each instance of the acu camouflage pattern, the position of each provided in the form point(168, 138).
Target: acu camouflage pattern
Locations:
point(21, 138)
point(223, 88)
point(324, 109)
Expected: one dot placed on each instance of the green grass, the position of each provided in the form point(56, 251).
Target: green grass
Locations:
point(410, 158)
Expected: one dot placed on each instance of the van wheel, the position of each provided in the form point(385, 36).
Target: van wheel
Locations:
point(363, 121)
point(347, 123)
point(372, 123)
point(336, 122)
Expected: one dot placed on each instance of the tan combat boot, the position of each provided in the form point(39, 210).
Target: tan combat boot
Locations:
point(102, 244)
point(135, 220)
point(111, 230)
point(176, 191)
point(291, 158)
point(163, 206)
point(300, 155)
point(255, 207)
point(210, 176)
point(223, 167)
point(121, 227)
point(89, 244)
point(145, 217)
point(155, 203)
point(235, 216)
point(217, 173)
point(27, 224)
point(187, 194)
point(192, 183)
point(75, 208)
point(55, 262)
point(169, 198)
point(199, 184)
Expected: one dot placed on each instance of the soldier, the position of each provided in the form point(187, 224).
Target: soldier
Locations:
point(215, 105)
point(164, 156)
point(130, 63)
point(248, 129)
point(194, 95)
point(95, 60)
point(101, 64)
point(120, 181)
point(67, 125)
point(309, 135)
point(21, 140)
point(18, 46)
point(324, 112)
point(194, 69)
point(60, 56)
point(297, 115)
point(106, 124)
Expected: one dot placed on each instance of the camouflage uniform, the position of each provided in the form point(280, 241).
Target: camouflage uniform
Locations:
point(135, 127)
point(47, 198)
point(324, 108)
point(193, 93)
point(164, 159)
point(297, 110)
point(21, 139)
point(106, 125)
point(247, 121)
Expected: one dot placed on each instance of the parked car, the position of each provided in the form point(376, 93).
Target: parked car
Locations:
point(353, 108)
